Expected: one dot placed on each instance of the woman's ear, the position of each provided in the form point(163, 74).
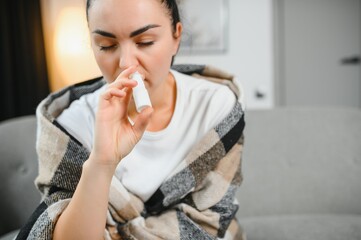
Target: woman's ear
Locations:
point(177, 36)
point(178, 30)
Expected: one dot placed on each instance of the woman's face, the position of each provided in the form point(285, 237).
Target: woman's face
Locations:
point(133, 32)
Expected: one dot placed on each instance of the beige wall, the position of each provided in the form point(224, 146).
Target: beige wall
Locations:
point(68, 50)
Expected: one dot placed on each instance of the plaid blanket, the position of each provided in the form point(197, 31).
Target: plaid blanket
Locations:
point(196, 202)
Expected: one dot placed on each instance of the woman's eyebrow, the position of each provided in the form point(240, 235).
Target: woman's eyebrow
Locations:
point(143, 29)
point(104, 33)
point(132, 34)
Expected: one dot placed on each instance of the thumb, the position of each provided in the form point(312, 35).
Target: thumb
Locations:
point(142, 121)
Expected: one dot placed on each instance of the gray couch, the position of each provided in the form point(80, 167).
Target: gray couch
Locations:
point(302, 174)
point(18, 169)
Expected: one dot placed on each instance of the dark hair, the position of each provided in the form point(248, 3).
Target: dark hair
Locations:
point(171, 5)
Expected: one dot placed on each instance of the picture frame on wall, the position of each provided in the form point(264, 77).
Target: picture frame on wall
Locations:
point(205, 26)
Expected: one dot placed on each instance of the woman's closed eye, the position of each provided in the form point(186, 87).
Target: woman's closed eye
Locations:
point(140, 44)
point(107, 48)
point(145, 44)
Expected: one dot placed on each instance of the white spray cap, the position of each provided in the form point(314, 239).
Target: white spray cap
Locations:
point(140, 93)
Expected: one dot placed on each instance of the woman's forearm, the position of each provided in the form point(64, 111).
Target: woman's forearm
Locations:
point(85, 216)
point(114, 137)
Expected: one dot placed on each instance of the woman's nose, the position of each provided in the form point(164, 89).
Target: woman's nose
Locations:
point(127, 59)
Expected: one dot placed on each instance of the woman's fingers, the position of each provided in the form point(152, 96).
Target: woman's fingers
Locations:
point(122, 82)
point(142, 120)
point(127, 72)
point(121, 86)
point(123, 79)
point(113, 92)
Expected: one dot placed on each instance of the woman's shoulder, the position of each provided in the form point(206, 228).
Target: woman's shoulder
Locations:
point(86, 104)
point(212, 100)
point(79, 118)
point(204, 90)
point(200, 84)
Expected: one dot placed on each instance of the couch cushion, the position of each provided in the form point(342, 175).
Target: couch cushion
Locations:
point(301, 161)
point(303, 227)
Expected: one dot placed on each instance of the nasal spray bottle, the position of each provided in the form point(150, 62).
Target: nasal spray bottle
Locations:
point(140, 94)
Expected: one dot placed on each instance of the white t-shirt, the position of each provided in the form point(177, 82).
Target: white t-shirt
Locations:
point(200, 106)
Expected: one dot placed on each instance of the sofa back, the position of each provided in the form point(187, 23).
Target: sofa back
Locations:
point(301, 161)
point(18, 169)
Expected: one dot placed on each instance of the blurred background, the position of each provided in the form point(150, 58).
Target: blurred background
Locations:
point(285, 52)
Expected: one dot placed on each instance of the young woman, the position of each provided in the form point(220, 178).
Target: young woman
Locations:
point(167, 172)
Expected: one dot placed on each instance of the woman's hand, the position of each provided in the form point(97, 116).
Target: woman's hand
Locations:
point(115, 136)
